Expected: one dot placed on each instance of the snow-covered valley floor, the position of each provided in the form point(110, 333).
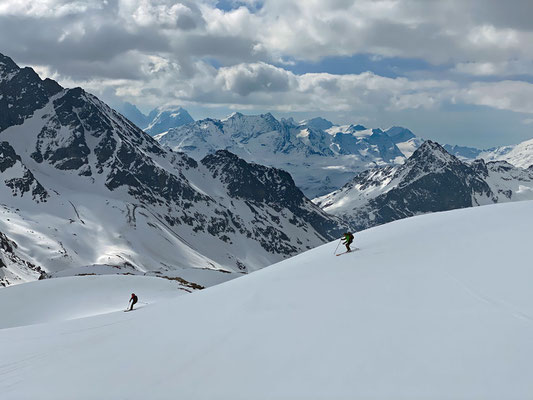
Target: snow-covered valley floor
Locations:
point(431, 307)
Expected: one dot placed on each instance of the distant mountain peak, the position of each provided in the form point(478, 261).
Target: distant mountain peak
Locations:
point(432, 151)
point(399, 134)
point(358, 127)
point(318, 123)
point(7, 65)
point(159, 120)
point(233, 115)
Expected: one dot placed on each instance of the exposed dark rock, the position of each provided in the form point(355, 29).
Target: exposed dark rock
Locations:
point(25, 183)
point(22, 92)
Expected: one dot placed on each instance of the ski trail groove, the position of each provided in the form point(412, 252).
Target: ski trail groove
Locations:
point(497, 304)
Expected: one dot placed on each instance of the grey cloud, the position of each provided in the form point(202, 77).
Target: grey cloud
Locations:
point(516, 14)
point(245, 79)
point(186, 22)
point(38, 43)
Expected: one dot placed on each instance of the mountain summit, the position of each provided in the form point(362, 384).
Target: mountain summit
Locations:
point(159, 120)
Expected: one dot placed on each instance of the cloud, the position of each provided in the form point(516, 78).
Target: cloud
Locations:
point(495, 69)
point(244, 79)
point(505, 95)
point(190, 51)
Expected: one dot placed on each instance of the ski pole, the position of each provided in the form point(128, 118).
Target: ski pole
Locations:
point(340, 240)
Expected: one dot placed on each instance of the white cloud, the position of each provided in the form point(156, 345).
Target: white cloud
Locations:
point(189, 51)
point(502, 69)
point(48, 8)
point(505, 95)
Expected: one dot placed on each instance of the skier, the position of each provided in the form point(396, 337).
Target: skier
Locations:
point(348, 239)
point(133, 300)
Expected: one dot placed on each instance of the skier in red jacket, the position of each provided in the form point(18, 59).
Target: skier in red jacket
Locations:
point(133, 300)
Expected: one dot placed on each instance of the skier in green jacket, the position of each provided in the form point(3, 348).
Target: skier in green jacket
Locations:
point(348, 239)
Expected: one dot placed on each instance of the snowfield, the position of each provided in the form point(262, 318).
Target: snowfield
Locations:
point(438, 306)
point(61, 299)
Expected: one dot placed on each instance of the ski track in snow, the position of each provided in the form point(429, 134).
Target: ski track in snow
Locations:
point(499, 305)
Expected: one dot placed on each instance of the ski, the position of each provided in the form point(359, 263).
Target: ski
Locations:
point(347, 252)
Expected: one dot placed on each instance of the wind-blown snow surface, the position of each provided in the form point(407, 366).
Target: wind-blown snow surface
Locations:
point(432, 307)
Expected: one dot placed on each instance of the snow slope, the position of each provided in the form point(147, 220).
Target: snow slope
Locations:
point(62, 299)
point(438, 306)
point(520, 155)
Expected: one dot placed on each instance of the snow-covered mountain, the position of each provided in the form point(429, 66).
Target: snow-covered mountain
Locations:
point(131, 112)
point(166, 119)
point(320, 156)
point(438, 306)
point(520, 155)
point(158, 120)
point(84, 190)
point(463, 153)
point(430, 180)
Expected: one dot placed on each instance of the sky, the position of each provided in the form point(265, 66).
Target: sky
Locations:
point(455, 71)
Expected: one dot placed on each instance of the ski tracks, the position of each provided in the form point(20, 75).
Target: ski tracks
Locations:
point(495, 303)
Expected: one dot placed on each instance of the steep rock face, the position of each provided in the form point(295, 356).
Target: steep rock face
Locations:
point(258, 185)
point(431, 180)
point(91, 190)
point(15, 106)
point(14, 268)
point(17, 177)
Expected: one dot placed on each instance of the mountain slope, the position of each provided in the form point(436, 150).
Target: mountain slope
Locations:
point(431, 180)
point(436, 306)
point(75, 172)
point(520, 155)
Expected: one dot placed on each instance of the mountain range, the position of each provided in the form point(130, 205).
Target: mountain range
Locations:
point(83, 190)
point(320, 156)
point(430, 180)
